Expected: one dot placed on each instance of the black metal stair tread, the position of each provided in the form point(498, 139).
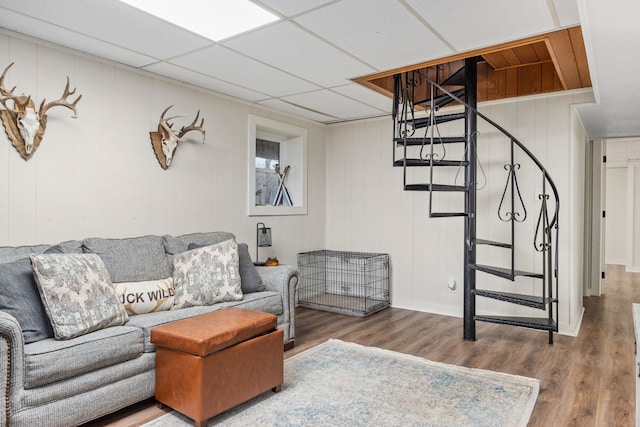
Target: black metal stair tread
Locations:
point(427, 141)
point(426, 121)
point(436, 162)
point(520, 299)
point(492, 243)
point(542, 323)
point(433, 187)
point(504, 272)
point(447, 214)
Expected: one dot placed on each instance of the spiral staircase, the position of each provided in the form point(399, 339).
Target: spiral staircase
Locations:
point(422, 152)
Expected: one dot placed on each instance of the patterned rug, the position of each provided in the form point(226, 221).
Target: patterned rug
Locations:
point(345, 384)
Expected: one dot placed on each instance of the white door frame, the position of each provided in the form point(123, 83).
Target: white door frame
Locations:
point(595, 196)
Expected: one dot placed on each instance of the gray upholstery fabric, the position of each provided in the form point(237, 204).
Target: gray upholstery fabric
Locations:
point(250, 280)
point(14, 253)
point(87, 397)
point(175, 245)
point(83, 354)
point(131, 260)
point(268, 302)
point(19, 297)
point(71, 247)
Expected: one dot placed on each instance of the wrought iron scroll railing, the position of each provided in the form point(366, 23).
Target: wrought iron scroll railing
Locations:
point(547, 227)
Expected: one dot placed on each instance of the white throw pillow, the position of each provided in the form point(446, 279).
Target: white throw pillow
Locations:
point(77, 293)
point(207, 275)
point(146, 296)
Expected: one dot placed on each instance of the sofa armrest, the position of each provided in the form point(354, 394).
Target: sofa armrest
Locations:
point(11, 366)
point(284, 280)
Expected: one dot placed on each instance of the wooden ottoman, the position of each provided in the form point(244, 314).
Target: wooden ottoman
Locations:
point(210, 363)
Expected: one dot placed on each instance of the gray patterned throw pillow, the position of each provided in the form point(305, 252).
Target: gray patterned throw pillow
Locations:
point(207, 275)
point(77, 293)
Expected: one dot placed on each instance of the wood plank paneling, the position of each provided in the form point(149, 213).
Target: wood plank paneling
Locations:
point(547, 77)
point(563, 57)
point(547, 63)
point(541, 51)
point(512, 82)
point(580, 54)
point(526, 54)
point(529, 80)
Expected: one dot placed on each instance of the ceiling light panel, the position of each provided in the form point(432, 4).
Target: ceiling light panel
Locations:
point(213, 19)
point(115, 23)
point(381, 33)
point(287, 47)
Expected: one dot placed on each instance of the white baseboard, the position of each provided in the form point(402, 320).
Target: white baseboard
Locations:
point(572, 329)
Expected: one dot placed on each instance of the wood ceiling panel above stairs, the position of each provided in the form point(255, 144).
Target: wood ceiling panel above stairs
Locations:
point(546, 63)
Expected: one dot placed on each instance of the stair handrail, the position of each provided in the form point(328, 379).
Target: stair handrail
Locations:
point(554, 220)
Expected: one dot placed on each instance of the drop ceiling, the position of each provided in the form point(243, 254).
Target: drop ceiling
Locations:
point(306, 62)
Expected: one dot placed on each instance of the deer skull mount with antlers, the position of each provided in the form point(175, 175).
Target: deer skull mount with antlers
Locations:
point(165, 140)
point(24, 125)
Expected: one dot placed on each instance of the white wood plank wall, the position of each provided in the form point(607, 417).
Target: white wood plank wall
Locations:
point(97, 175)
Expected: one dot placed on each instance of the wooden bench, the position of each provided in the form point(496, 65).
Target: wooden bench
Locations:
point(210, 363)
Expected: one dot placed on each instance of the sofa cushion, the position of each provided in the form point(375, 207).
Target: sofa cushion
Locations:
point(250, 280)
point(147, 296)
point(207, 275)
point(268, 302)
point(19, 297)
point(77, 293)
point(50, 360)
point(14, 253)
point(131, 260)
point(175, 245)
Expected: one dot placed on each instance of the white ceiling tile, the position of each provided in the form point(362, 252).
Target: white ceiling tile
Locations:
point(113, 22)
point(200, 80)
point(473, 24)
point(287, 47)
point(567, 11)
point(382, 33)
point(365, 95)
point(224, 64)
point(333, 104)
point(54, 34)
point(290, 8)
point(298, 111)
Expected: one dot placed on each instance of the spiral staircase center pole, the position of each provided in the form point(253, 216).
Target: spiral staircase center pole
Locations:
point(470, 90)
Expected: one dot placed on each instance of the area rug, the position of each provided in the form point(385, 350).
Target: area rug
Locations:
point(345, 384)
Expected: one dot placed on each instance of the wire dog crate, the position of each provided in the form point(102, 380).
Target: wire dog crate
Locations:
point(353, 283)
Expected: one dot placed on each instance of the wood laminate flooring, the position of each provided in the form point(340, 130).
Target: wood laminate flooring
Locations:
point(587, 380)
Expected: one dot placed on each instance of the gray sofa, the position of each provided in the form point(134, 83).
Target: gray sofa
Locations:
point(69, 382)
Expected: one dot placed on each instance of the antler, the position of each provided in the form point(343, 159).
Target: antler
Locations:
point(6, 94)
point(193, 126)
point(61, 102)
point(164, 123)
